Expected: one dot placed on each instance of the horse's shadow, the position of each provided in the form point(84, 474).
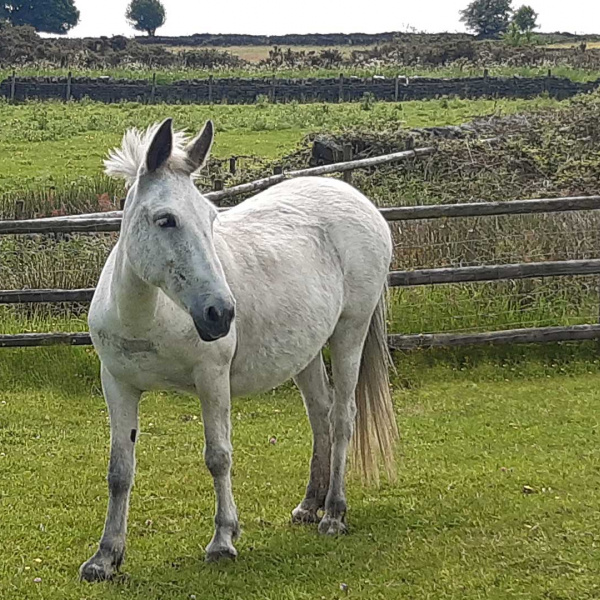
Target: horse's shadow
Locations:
point(284, 557)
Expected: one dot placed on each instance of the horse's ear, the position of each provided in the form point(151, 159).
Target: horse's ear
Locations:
point(160, 147)
point(198, 149)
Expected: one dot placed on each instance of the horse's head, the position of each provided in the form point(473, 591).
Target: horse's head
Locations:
point(167, 231)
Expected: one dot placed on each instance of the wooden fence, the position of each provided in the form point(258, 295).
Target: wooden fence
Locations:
point(109, 222)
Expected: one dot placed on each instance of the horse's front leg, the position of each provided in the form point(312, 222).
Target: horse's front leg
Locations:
point(122, 401)
point(214, 392)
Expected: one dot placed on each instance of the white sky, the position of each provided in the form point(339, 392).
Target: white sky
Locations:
point(271, 17)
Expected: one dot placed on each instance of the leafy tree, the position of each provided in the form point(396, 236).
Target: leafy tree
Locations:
point(513, 35)
point(146, 15)
point(487, 18)
point(525, 19)
point(51, 16)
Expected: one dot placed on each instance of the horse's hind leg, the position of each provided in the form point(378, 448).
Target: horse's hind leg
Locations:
point(317, 396)
point(122, 401)
point(346, 345)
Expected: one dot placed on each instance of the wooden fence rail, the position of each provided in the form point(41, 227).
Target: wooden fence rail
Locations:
point(531, 335)
point(494, 272)
point(111, 221)
point(396, 342)
point(30, 340)
point(395, 279)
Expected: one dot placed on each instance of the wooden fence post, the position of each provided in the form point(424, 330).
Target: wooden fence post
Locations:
point(341, 88)
point(13, 86)
point(19, 207)
point(272, 90)
point(217, 185)
point(397, 88)
point(347, 156)
point(233, 165)
point(69, 82)
point(277, 170)
point(210, 89)
point(153, 89)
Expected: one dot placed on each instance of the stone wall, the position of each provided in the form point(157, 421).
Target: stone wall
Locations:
point(246, 91)
point(310, 39)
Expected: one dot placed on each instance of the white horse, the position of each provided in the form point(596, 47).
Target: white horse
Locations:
point(235, 303)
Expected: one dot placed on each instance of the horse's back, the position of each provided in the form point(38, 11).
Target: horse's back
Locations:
point(289, 210)
point(297, 257)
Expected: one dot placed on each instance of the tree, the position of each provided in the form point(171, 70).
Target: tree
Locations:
point(50, 16)
point(146, 15)
point(487, 18)
point(525, 19)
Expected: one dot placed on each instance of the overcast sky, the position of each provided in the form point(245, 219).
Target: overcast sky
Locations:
point(271, 17)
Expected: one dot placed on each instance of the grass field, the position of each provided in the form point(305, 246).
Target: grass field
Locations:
point(499, 458)
point(255, 54)
point(496, 497)
point(42, 144)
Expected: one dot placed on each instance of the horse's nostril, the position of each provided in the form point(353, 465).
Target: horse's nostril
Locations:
point(212, 314)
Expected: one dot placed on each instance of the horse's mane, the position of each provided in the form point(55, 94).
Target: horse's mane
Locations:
point(125, 162)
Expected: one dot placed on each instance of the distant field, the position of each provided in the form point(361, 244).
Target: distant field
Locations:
point(589, 45)
point(45, 143)
point(255, 54)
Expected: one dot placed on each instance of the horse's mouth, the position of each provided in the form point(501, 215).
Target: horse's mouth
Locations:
point(211, 334)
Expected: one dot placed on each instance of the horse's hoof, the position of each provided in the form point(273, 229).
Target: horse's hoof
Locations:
point(303, 516)
point(219, 553)
point(96, 569)
point(331, 526)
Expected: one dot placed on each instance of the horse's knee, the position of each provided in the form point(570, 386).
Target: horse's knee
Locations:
point(342, 418)
point(218, 460)
point(120, 475)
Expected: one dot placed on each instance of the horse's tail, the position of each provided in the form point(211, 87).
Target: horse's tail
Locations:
point(376, 430)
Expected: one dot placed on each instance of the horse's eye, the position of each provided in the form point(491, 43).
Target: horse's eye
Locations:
point(165, 221)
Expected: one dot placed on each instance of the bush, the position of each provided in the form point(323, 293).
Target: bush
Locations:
point(21, 46)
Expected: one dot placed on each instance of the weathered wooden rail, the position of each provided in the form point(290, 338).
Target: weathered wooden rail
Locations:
point(395, 279)
point(111, 222)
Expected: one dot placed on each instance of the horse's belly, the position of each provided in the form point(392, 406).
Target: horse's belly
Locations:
point(281, 340)
point(258, 369)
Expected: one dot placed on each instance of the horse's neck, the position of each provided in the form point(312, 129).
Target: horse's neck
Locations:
point(136, 300)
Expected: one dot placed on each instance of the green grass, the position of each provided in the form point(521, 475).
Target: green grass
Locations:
point(476, 428)
point(44, 144)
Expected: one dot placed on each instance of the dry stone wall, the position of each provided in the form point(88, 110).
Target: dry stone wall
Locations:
point(247, 91)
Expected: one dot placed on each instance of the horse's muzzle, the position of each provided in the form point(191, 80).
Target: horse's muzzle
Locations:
point(213, 321)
